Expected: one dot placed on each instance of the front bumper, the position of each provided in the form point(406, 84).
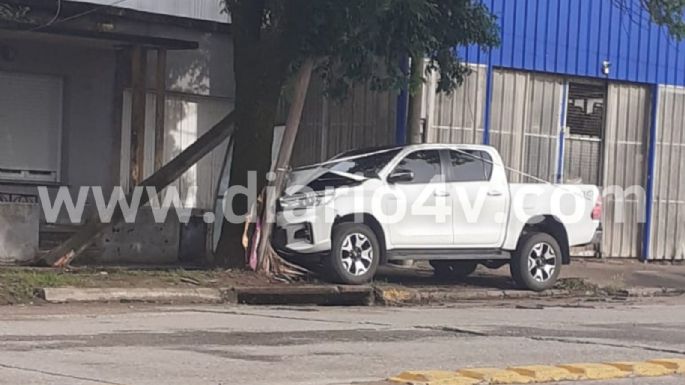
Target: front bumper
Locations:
point(302, 231)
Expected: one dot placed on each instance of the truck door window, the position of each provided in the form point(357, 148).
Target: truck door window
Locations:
point(424, 164)
point(469, 166)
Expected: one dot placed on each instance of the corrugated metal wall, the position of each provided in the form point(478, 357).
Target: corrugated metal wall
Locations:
point(574, 37)
point(364, 119)
point(526, 110)
point(581, 157)
point(668, 212)
point(625, 148)
point(456, 117)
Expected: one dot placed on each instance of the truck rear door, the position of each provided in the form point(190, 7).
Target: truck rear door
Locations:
point(479, 200)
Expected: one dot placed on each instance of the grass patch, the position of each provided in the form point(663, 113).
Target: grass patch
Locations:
point(576, 285)
point(18, 285)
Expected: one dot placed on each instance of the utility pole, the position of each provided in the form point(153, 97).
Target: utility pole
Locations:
point(415, 100)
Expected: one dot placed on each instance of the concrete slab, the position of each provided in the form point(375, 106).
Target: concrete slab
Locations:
point(19, 227)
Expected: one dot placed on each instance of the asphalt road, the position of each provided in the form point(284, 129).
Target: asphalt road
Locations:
point(145, 344)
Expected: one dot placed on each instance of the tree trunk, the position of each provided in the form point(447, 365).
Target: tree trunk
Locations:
point(268, 258)
point(261, 62)
point(251, 154)
point(257, 95)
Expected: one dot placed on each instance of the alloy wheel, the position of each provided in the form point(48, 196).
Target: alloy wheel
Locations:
point(542, 261)
point(357, 254)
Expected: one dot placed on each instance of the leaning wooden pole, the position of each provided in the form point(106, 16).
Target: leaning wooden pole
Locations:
point(268, 259)
point(65, 253)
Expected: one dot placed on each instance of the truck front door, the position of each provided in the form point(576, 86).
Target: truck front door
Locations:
point(416, 197)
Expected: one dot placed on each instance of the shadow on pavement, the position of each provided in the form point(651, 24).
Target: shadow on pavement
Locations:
point(417, 276)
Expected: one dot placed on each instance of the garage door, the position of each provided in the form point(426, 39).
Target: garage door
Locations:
point(30, 127)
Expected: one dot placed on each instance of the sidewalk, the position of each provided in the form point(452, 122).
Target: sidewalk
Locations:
point(623, 274)
point(603, 273)
point(393, 285)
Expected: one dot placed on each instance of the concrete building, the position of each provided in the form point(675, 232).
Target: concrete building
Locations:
point(78, 80)
point(103, 92)
point(581, 91)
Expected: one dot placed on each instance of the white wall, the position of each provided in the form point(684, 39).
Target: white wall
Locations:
point(195, 9)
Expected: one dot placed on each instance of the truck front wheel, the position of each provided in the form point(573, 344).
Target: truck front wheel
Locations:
point(536, 263)
point(355, 254)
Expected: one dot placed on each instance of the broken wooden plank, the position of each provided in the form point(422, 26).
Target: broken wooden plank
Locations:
point(65, 253)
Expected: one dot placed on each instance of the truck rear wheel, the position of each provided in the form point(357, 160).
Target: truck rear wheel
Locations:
point(355, 253)
point(453, 269)
point(536, 263)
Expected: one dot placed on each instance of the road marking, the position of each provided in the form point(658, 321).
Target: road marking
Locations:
point(588, 371)
point(433, 377)
point(644, 369)
point(672, 363)
point(543, 373)
point(496, 376)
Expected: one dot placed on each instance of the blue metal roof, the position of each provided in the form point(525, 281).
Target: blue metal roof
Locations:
point(574, 37)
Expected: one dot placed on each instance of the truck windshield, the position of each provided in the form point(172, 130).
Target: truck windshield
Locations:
point(367, 162)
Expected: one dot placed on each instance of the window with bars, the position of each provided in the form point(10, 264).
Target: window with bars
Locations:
point(585, 113)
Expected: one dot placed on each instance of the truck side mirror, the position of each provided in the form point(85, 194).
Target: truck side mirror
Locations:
point(401, 175)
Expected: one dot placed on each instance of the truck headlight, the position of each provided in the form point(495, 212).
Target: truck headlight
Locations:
point(302, 201)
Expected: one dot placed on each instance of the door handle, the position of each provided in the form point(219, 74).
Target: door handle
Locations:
point(441, 193)
point(495, 193)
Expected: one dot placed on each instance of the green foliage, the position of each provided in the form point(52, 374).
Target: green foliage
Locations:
point(666, 13)
point(365, 40)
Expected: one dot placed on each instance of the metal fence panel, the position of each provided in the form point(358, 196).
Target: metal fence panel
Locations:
point(581, 159)
point(328, 127)
point(526, 108)
point(456, 117)
point(625, 149)
point(668, 219)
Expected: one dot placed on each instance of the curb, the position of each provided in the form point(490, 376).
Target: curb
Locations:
point(303, 295)
point(71, 294)
point(408, 296)
point(339, 295)
point(398, 295)
point(268, 295)
point(543, 373)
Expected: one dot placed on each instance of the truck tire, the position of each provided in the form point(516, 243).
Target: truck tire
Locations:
point(453, 269)
point(536, 263)
point(355, 253)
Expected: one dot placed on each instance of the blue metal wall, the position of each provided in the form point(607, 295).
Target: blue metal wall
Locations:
point(574, 37)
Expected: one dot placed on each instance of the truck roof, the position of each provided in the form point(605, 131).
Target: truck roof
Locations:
point(448, 145)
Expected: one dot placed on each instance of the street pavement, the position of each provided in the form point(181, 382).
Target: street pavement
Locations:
point(229, 344)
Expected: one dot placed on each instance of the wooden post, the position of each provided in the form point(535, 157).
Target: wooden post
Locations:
point(160, 107)
point(122, 79)
point(138, 101)
point(415, 99)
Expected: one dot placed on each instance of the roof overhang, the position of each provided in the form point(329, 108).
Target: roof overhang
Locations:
point(118, 26)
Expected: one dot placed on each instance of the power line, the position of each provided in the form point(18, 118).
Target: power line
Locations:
point(75, 16)
point(59, 9)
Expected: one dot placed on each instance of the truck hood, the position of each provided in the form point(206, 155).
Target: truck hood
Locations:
point(319, 178)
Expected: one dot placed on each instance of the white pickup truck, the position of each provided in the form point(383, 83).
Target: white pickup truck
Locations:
point(449, 204)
